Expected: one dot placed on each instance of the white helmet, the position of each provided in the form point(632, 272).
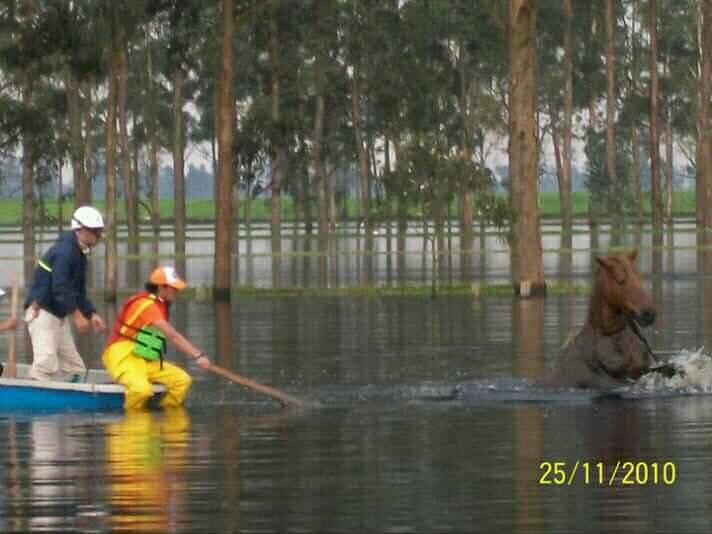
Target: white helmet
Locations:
point(2, 293)
point(87, 217)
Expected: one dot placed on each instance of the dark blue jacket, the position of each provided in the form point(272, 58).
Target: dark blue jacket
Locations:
point(59, 280)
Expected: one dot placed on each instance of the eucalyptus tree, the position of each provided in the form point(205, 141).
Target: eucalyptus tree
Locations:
point(356, 56)
point(80, 62)
point(611, 10)
point(274, 27)
point(527, 267)
point(152, 113)
point(27, 67)
point(179, 28)
point(678, 55)
point(654, 140)
point(478, 54)
point(389, 70)
point(633, 109)
point(225, 113)
point(704, 138)
point(251, 144)
point(322, 89)
point(206, 75)
point(429, 106)
point(429, 177)
point(557, 55)
point(112, 58)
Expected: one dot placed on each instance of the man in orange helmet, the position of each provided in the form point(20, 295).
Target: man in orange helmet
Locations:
point(134, 352)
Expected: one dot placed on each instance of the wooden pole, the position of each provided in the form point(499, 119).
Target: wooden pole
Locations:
point(11, 366)
point(284, 398)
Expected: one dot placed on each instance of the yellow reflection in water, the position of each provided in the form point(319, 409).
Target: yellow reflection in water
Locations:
point(146, 461)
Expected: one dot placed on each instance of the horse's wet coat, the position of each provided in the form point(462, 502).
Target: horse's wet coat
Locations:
point(607, 353)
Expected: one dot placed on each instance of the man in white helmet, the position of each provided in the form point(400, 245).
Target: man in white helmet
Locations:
point(57, 294)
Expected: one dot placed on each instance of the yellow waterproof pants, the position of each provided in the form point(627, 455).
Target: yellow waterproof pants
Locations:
point(137, 374)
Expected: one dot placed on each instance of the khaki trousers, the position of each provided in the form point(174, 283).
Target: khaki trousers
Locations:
point(55, 356)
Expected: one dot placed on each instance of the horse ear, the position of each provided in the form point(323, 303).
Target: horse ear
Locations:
point(633, 255)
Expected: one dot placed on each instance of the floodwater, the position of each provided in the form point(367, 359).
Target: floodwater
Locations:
point(427, 421)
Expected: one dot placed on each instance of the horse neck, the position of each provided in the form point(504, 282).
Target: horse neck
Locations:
point(602, 316)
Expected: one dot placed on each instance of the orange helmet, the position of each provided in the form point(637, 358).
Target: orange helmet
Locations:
point(167, 276)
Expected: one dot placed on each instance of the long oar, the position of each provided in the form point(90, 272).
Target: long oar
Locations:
point(11, 367)
point(284, 398)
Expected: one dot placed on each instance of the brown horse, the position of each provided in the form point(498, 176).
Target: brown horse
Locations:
point(607, 352)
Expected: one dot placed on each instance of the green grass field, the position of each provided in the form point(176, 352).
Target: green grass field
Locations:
point(204, 210)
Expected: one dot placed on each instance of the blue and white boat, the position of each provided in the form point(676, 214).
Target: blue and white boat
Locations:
point(96, 392)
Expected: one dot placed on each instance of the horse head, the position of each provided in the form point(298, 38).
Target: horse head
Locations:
point(618, 294)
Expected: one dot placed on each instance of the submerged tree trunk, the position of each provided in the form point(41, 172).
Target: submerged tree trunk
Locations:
point(110, 270)
point(305, 196)
point(467, 95)
point(361, 152)
point(179, 163)
point(223, 193)
point(655, 200)
point(565, 185)
point(635, 134)
point(28, 225)
point(277, 149)
point(88, 144)
point(593, 207)
point(669, 164)
point(704, 158)
point(317, 163)
point(153, 190)
point(564, 190)
point(528, 277)
point(76, 141)
point(614, 193)
point(129, 179)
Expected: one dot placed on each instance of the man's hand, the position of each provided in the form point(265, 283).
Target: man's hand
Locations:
point(97, 323)
point(10, 324)
point(35, 310)
point(80, 322)
point(203, 362)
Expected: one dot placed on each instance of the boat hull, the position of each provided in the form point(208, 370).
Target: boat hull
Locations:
point(92, 395)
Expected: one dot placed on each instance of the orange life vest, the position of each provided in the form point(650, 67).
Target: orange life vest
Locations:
point(150, 343)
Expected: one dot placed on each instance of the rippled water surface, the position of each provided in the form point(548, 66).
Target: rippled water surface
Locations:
point(426, 425)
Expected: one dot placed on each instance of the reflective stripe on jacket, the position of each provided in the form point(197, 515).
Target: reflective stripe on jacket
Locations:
point(59, 280)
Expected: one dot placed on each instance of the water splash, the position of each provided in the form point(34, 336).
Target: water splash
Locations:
point(694, 375)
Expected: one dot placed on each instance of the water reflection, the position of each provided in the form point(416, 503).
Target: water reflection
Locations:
point(276, 261)
point(147, 459)
point(528, 454)
point(657, 296)
point(53, 448)
point(704, 266)
point(223, 333)
point(374, 458)
point(611, 434)
point(12, 483)
point(528, 331)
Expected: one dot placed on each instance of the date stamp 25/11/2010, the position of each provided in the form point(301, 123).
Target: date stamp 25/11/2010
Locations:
point(622, 472)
